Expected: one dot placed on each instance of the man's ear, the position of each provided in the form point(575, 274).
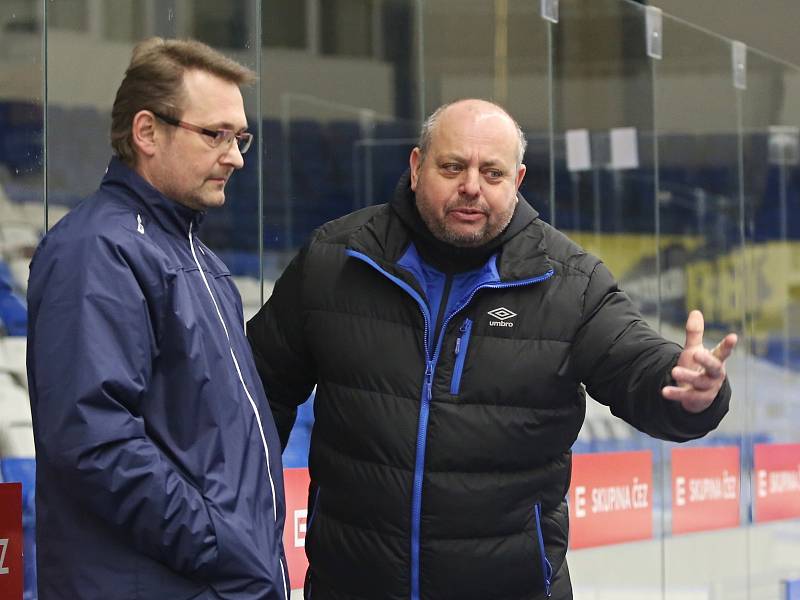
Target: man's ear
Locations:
point(144, 133)
point(521, 175)
point(414, 161)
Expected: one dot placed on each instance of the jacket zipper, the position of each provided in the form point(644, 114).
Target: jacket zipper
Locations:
point(427, 392)
point(462, 342)
point(547, 569)
point(422, 423)
point(249, 397)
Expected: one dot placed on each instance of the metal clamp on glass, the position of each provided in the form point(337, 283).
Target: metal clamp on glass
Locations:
point(549, 10)
point(739, 58)
point(655, 33)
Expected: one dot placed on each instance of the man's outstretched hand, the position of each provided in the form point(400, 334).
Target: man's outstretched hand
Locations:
point(699, 373)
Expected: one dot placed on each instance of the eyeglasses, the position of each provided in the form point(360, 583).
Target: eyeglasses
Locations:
point(218, 136)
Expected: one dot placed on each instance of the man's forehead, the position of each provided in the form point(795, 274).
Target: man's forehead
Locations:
point(489, 129)
point(477, 111)
point(212, 97)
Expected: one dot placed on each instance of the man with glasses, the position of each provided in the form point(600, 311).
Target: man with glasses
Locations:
point(158, 464)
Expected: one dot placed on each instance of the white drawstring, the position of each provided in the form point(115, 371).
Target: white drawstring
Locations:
point(247, 392)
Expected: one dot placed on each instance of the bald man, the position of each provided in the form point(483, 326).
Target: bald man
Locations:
point(449, 333)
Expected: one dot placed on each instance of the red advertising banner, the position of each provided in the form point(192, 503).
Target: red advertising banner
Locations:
point(705, 488)
point(294, 533)
point(611, 498)
point(777, 482)
point(11, 541)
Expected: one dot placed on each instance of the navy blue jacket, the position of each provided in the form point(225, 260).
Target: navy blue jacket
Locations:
point(158, 464)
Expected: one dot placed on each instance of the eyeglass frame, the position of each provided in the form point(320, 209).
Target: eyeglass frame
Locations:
point(243, 137)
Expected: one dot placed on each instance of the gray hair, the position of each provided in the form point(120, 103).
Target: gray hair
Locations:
point(429, 125)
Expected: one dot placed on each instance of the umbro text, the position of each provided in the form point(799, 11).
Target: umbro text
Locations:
point(502, 314)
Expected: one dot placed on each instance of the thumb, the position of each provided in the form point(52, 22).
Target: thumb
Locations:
point(694, 329)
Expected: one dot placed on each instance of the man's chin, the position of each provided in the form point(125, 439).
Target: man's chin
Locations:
point(211, 201)
point(465, 239)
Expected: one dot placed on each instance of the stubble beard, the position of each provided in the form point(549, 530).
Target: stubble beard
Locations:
point(202, 199)
point(470, 239)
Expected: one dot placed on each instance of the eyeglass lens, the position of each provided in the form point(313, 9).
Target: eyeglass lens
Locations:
point(243, 140)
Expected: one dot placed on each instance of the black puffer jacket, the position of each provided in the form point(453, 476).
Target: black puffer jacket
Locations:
point(440, 455)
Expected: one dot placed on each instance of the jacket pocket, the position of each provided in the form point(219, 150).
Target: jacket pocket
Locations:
point(462, 342)
point(547, 569)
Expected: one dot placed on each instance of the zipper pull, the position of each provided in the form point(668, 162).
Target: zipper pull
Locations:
point(461, 331)
point(429, 379)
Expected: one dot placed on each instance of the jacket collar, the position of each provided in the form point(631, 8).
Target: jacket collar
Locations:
point(522, 255)
point(168, 213)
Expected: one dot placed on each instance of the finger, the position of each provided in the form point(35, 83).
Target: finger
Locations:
point(690, 399)
point(694, 329)
point(688, 378)
point(685, 394)
point(708, 364)
point(724, 349)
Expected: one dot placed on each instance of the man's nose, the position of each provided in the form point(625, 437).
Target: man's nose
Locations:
point(233, 156)
point(471, 183)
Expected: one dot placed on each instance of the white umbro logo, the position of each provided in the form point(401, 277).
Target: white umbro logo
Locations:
point(502, 314)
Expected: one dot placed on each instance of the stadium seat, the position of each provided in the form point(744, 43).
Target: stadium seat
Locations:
point(12, 358)
point(273, 169)
point(250, 291)
point(21, 136)
point(388, 158)
point(6, 277)
point(69, 128)
point(13, 313)
point(32, 214)
point(344, 136)
point(14, 405)
point(16, 237)
point(19, 272)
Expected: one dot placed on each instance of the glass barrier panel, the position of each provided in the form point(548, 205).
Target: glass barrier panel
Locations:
point(340, 140)
point(641, 148)
point(771, 163)
point(22, 220)
point(507, 62)
point(339, 83)
point(605, 181)
point(343, 108)
point(701, 262)
point(80, 100)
